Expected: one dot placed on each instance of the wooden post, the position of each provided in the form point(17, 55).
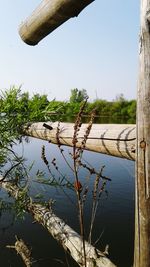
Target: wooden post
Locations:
point(49, 15)
point(142, 212)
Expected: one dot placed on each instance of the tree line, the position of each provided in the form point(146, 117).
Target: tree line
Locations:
point(14, 102)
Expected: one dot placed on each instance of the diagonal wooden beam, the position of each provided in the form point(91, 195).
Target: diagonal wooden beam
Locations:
point(49, 15)
point(70, 240)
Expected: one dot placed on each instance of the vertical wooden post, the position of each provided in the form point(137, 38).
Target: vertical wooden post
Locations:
point(142, 212)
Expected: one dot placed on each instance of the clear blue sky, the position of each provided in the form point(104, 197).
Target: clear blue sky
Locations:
point(97, 51)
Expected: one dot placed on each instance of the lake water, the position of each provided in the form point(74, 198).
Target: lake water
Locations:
point(114, 222)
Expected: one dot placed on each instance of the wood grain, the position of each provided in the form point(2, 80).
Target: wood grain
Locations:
point(49, 15)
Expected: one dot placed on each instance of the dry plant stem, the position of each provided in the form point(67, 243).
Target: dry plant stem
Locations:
point(43, 157)
point(57, 169)
point(96, 198)
point(7, 172)
point(80, 207)
point(86, 135)
point(61, 151)
point(76, 155)
point(93, 207)
point(93, 171)
point(53, 162)
point(59, 146)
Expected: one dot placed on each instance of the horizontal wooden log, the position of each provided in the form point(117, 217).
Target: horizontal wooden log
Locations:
point(63, 233)
point(112, 139)
point(49, 15)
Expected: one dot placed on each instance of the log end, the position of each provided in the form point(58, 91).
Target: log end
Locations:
point(48, 16)
point(25, 36)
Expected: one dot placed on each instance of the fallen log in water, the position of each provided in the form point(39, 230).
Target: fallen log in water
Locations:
point(49, 15)
point(112, 139)
point(23, 251)
point(64, 234)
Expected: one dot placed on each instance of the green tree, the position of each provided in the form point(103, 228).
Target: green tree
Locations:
point(37, 105)
point(120, 98)
point(132, 109)
point(77, 96)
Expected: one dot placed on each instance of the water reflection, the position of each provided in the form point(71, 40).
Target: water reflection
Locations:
point(114, 218)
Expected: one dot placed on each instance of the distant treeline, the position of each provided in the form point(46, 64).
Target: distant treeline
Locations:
point(14, 102)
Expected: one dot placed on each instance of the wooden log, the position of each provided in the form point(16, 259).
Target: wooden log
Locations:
point(112, 139)
point(142, 214)
point(63, 233)
point(22, 249)
point(49, 15)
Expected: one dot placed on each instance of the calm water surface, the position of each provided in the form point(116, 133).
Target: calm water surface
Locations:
point(114, 222)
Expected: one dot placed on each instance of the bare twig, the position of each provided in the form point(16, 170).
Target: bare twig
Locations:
point(8, 171)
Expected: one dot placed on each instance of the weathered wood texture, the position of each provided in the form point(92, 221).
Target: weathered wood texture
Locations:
point(142, 220)
point(112, 139)
point(22, 249)
point(49, 15)
point(63, 233)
